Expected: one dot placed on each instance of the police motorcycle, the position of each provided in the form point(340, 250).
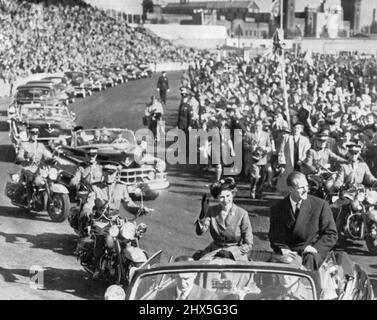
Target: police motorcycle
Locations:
point(121, 252)
point(317, 183)
point(48, 193)
point(356, 215)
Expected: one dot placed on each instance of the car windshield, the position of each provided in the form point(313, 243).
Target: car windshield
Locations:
point(33, 93)
point(104, 136)
point(222, 285)
point(35, 113)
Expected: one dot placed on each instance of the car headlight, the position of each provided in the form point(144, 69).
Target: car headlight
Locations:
point(53, 174)
point(114, 231)
point(161, 166)
point(115, 292)
point(15, 177)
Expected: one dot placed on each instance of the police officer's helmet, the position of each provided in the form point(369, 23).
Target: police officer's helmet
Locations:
point(110, 167)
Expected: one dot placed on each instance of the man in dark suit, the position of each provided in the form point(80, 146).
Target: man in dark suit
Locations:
point(302, 223)
point(184, 288)
point(163, 86)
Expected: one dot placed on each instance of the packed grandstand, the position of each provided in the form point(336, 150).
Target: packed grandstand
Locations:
point(54, 36)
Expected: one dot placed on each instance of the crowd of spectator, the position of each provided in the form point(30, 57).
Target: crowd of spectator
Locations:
point(332, 93)
point(59, 35)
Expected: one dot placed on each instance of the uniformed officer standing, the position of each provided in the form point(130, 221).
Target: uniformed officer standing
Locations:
point(163, 86)
point(154, 112)
point(30, 154)
point(89, 172)
point(257, 146)
point(105, 200)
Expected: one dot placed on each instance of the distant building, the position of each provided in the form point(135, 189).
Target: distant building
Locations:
point(252, 18)
point(130, 10)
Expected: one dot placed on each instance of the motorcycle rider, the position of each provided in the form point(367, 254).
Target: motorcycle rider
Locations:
point(89, 172)
point(105, 200)
point(30, 154)
point(320, 156)
point(354, 173)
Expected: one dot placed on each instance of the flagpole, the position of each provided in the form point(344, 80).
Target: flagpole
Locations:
point(282, 65)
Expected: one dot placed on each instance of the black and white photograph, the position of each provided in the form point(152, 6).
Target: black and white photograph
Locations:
point(188, 150)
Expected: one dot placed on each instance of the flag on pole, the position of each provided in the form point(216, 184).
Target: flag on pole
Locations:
point(308, 58)
point(275, 52)
point(275, 8)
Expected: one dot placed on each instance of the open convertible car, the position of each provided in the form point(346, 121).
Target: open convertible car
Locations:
point(225, 279)
point(120, 145)
point(54, 123)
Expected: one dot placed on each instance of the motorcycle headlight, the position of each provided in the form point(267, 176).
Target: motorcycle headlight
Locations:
point(115, 292)
point(128, 230)
point(53, 174)
point(44, 173)
point(372, 197)
point(138, 192)
point(356, 206)
point(160, 166)
point(360, 197)
point(15, 177)
point(114, 231)
point(372, 214)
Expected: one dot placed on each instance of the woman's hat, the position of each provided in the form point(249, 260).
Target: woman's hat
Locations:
point(224, 184)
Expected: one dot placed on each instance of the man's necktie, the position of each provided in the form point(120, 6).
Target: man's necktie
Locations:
point(297, 211)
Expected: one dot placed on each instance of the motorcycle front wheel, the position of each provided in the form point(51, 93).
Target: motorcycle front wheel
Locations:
point(371, 241)
point(58, 208)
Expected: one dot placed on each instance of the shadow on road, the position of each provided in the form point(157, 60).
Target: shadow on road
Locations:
point(19, 213)
point(4, 126)
point(64, 244)
point(74, 282)
point(7, 153)
point(352, 247)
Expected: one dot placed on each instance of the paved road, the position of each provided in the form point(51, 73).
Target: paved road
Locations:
point(27, 241)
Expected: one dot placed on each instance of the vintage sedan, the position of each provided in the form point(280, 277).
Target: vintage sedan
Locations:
point(222, 278)
point(81, 83)
point(60, 94)
point(99, 81)
point(36, 93)
point(63, 84)
point(55, 123)
point(120, 145)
